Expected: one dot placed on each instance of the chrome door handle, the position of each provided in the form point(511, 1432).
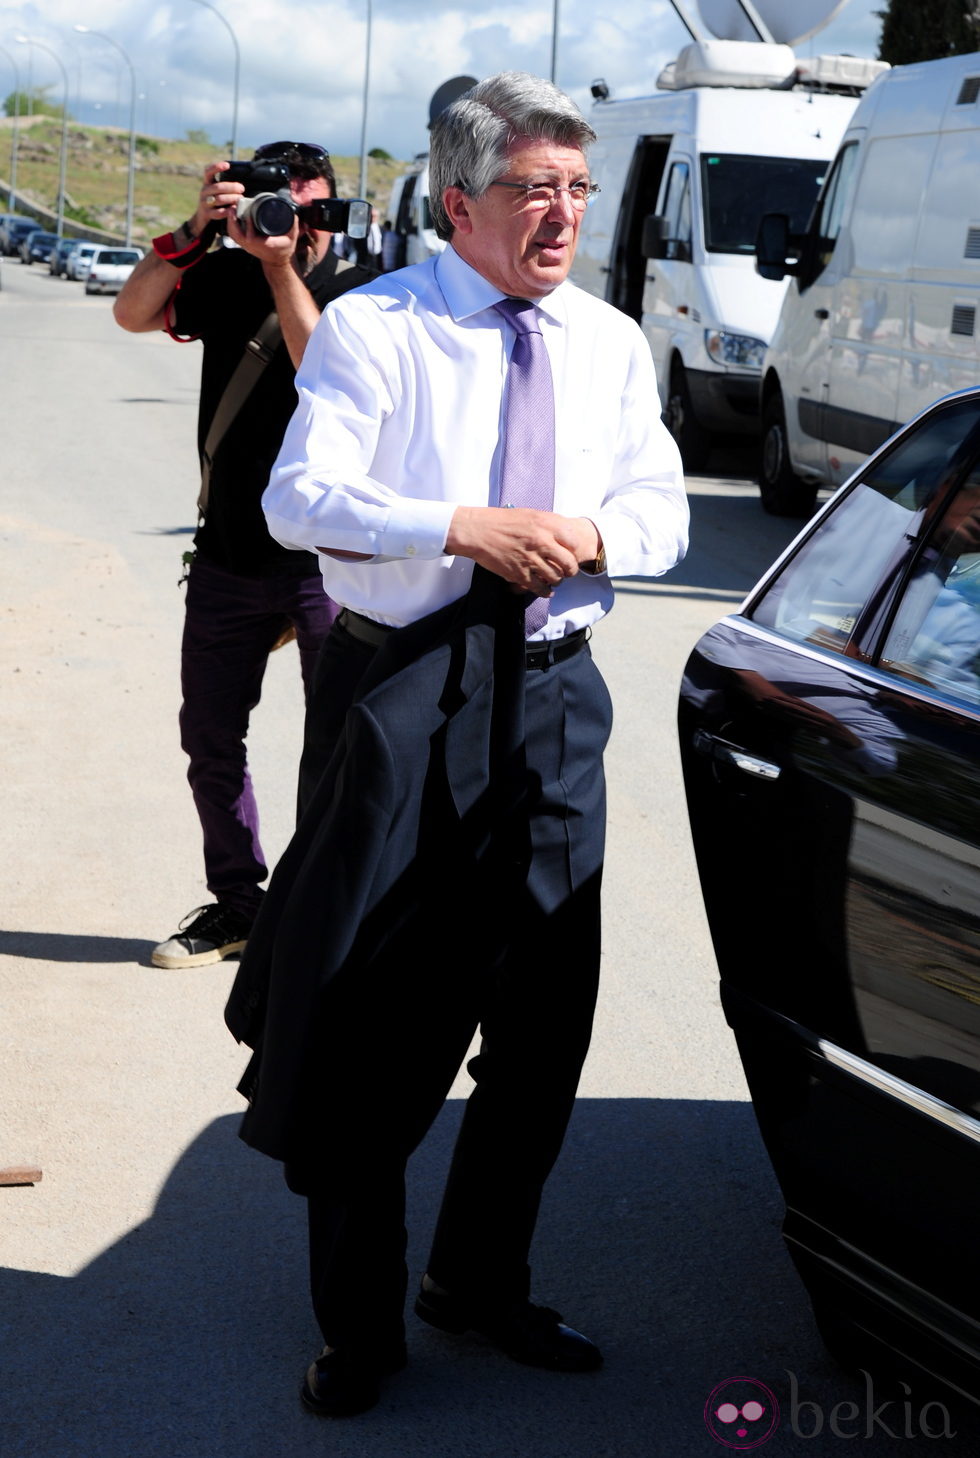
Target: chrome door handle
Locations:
point(720, 749)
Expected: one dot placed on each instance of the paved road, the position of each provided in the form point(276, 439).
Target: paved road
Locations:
point(152, 1294)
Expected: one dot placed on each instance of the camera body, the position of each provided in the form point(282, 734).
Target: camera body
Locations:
point(269, 206)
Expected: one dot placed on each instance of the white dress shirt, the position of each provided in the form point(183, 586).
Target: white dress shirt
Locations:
point(401, 397)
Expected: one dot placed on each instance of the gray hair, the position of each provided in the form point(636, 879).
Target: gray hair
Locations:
point(471, 137)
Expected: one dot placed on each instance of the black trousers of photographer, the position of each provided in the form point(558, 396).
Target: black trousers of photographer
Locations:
point(231, 626)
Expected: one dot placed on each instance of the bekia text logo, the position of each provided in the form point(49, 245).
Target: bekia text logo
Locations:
point(741, 1413)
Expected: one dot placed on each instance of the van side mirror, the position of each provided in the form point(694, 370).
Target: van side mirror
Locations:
point(773, 244)
point(655, 236)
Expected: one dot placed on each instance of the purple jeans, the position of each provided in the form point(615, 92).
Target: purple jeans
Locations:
point(231, 626)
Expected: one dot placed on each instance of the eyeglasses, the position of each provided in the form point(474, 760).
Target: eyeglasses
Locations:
point(309, 151)
point(543, 194)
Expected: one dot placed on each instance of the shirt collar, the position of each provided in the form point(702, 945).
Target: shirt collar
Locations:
point(467, 292)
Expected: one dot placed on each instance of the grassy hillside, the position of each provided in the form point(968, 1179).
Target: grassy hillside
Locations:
point(167, 175)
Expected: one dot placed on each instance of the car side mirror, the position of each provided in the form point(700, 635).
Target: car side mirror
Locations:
point(773, 246)
point(655, 236)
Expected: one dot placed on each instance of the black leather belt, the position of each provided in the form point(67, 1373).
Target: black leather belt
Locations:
point(365, 630)
point(537, 655)
point(555, 650)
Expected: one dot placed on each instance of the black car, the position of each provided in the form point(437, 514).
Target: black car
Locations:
point(58, 258)
point(830, 737)
point(13, 232)
point(36, 246)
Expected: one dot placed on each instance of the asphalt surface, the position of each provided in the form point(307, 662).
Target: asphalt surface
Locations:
point(152, 1285)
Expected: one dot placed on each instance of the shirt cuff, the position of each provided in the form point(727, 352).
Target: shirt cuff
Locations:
point(417, 528)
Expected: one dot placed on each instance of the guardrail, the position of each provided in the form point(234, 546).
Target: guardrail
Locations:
point(44, 215)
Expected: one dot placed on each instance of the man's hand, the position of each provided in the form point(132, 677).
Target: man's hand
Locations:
point(532, 550)
point(217, 199)
point(274, 252)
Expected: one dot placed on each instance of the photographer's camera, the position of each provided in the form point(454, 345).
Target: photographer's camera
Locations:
point(269, 206)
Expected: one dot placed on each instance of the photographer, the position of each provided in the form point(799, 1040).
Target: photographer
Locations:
point(244, 591)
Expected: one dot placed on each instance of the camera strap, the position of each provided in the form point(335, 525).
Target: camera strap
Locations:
point(258, 352)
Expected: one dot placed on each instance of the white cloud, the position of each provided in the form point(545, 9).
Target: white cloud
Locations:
point(302, 71)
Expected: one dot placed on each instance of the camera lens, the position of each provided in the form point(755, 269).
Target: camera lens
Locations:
point(272, 216)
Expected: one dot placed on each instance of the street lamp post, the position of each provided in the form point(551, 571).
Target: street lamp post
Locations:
point(131, 170)
point(364, 106)
point(555, 20)
point(234, 41)
point(13, 149)
point(29, 40)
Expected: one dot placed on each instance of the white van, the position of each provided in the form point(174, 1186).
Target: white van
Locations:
point(410, 216)
point(880, 318)
point(686, 174)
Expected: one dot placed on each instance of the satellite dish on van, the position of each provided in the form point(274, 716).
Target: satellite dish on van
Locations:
point(447, 93)
point(789, 21)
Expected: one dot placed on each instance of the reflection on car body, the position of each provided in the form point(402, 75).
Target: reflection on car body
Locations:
point(842, 887)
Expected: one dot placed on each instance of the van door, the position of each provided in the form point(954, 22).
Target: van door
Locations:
point(669, 303)
point(404, 220)
point(628, 267)
point(868, 318)
point(801, 349)
point(943, 340)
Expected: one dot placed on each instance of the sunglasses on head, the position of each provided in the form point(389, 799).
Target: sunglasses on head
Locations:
point(308, 151)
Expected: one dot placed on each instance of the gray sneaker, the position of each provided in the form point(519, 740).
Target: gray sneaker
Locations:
point(207, 934)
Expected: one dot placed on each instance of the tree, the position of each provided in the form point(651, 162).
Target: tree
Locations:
point(34, 102)
point(912, 31)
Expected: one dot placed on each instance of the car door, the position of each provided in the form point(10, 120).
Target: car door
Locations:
point(830, 736)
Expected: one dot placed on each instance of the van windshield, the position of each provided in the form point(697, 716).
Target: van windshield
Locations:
point(738, 190)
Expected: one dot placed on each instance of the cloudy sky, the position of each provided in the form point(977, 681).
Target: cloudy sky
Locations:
point(302, 72)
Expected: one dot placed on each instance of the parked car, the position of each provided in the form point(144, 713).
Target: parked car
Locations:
point(110, 268)
point(830, 738)
point(80, 260)
point(13, 232)
point(36, 246)
point(60, 253)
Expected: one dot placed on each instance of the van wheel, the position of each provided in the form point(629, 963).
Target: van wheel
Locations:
point(783, 492)
point(692, 439)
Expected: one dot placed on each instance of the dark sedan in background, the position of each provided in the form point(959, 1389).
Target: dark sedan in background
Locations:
point(59, 255)
point(13, 231)
point(36, 247)
point(830, 736)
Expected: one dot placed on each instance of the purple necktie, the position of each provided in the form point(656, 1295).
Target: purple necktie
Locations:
point(527, 476)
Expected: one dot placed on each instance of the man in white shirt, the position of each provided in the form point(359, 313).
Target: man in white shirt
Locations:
point(395, 470)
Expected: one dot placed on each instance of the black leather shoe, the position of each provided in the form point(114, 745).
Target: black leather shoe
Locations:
point(535, 1335)
point(348, 1381)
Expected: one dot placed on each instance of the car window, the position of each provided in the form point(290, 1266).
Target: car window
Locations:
point(852, 564)
point(935, 635)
